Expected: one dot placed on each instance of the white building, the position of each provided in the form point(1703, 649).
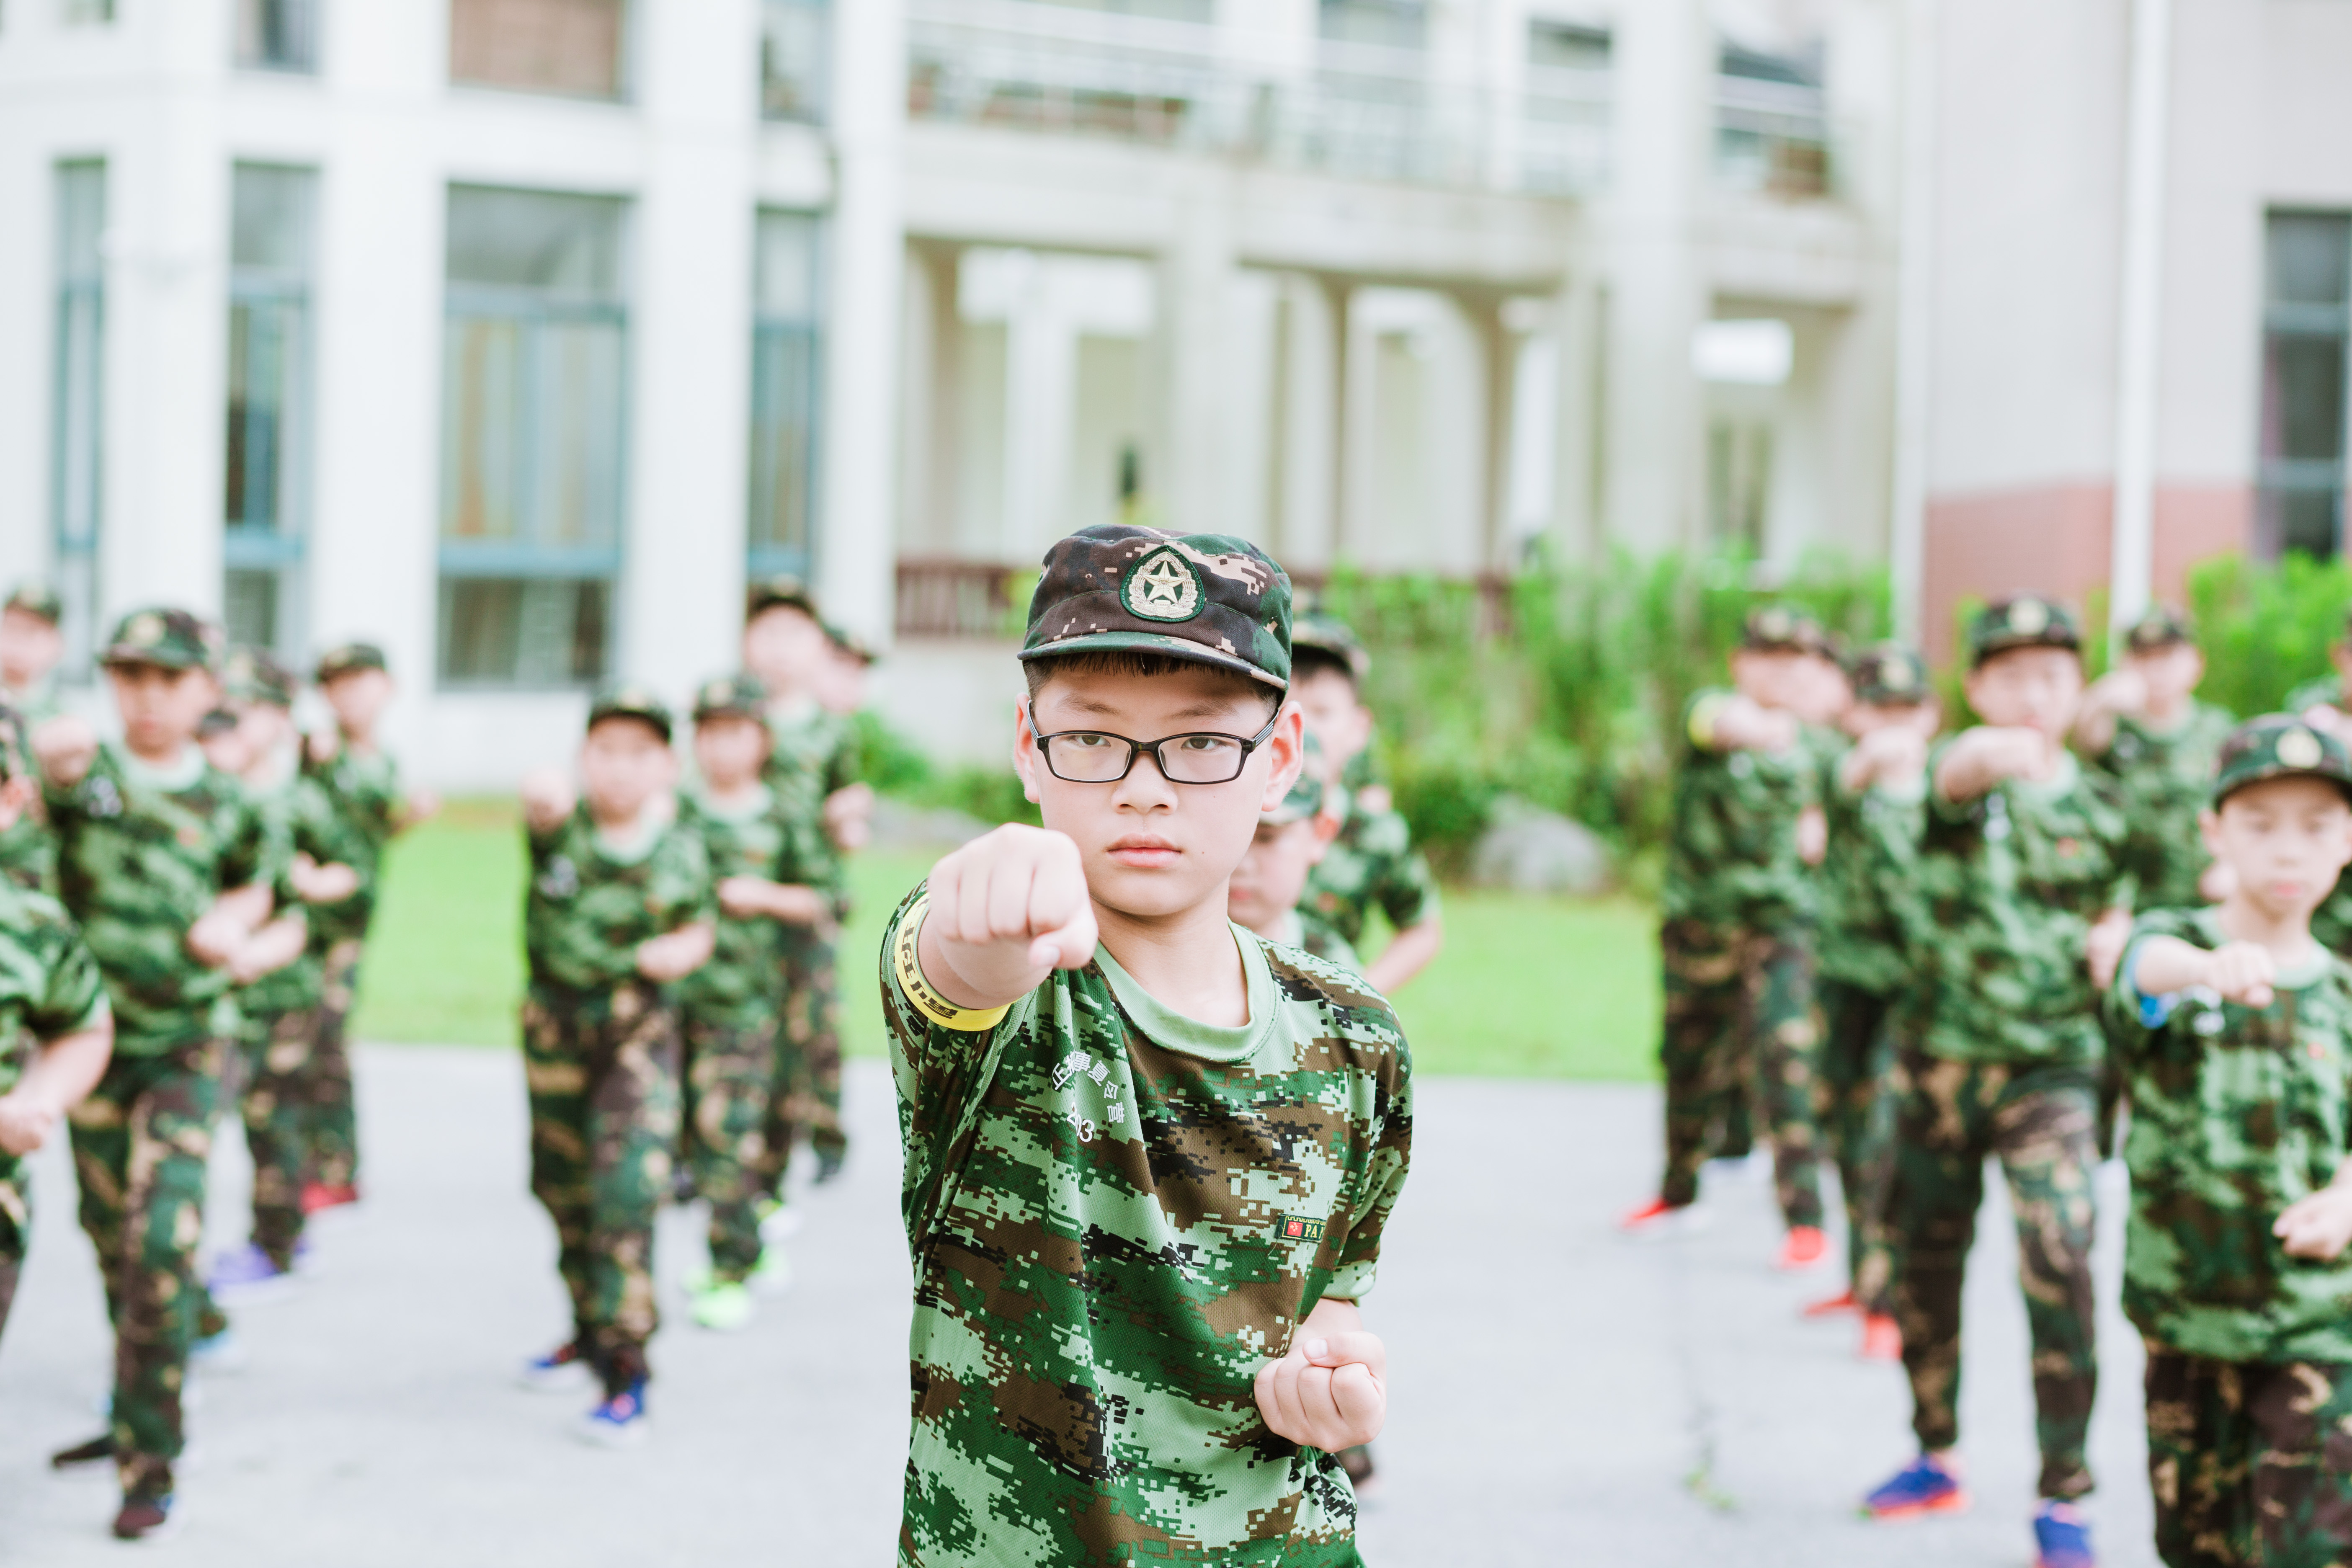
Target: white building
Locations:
point(514, 333)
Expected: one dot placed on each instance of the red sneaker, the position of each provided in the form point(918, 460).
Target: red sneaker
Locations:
point(317, 1195)
point(1881, 1340)
point(1832, 1305)
point(1803, 1248)
point(1658, 1218)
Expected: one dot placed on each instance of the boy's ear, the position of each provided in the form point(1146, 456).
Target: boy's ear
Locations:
point(1287, 747)
point(1024, 749)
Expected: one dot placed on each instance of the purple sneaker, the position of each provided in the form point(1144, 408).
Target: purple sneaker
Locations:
point(2062, 1537)
point(245, 1276)
point(1922, 1487)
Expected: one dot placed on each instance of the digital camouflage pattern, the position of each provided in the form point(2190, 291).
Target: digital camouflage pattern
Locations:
point(729, 1081)
point(2038, 1120)
point(766, 841)
point(805, 1093)
point(2237, 1112)
point(2246, 1461)
point(588, 910)
point(330, 1120)
point(1116, 1216)
point(2002, 899)
point(272, 1101)
point(1865, 872)
point(141, 1144)
point(362, 791)
point(300, 820)
point(815, 754)
point(1371, 865)
point(1855, 1113)
point(1731, 849)
point(1321, 938)
point(2163, 780)
point(28, 851)
point(1209, 598)
point(602, 1067)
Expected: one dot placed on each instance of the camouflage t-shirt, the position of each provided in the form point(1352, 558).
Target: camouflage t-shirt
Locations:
point(142, 855)
point(28, 849)
point(2236, 1114)
point(300, 820)
point(49, 984)
point(1117, 1215)
point(364, 791)
point(2164, 780)
point(592, 902)
point(738, 984)
point(1731, 852)
point(2007, 887)
point(1873, 849)
point(1371, 864)
point(815, 753)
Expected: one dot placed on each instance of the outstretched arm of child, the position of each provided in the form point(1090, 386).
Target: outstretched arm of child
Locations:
point(58, 1079)
point(1331, 1391)
point(674, 955)
point(756, 898)
point(2319, 1226)
point(235, 916)
point(65, 747)
point(2241, 971)
point(2114, 694)
point(270, 949)
point(1006, 910)
point(1729, 722)
point(547, 800)
point(328, 884)
point(1986, 754)
point(1893, 756)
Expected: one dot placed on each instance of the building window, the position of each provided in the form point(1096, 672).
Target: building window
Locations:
point(533, 434)
point(573, 46)
point(2306, 320)
point(1771, 118)
point(269, 401)
point(77, 418)
point(1394, 24)
point(785, 347)
point(277, 34)
point(795, 39)
point(86, 13)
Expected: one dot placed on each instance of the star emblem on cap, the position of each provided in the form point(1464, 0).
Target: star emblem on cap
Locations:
point(2028, 617)
point(2299, 749)
point(144, 630)
point(1162, 588)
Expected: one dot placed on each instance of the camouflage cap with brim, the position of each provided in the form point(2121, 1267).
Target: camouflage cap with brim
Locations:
point(1206, 598)
point(2157, 628)
point(739, 696)
point(251, 675)
point(850, 643)
point(1889, 674)
point(1780, 628)
point(2279, 746)
point(218, 723)
point(163, 639)
point(346, 659)
point(630, 701)
point(2027, 620)
point(1305, 800)
point(782, 589)
point(1328, 633)
point(16, 744)
point(35, 598)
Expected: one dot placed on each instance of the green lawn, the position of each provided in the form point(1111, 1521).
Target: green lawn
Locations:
point(1527, 987)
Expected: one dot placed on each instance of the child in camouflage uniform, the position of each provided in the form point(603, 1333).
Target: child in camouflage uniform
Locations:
point(1738, 940)
point(2020, 904)
point(1372, 864)
point(2236, 1029)
point(168, 867)
point(1149, 1156)
point(2322, 704)
point(30, 647)
point(620, 909)
point(1873, 795)
point(2143, 725)
point(728, 1007)
point(56, 1028)
point(1271, 880)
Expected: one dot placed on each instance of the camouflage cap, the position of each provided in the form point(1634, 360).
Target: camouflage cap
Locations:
point(2159, 627)
point(630, 701)
point(1209, 598)
point(731, 697)
point(213, 725)
point(16, 744)
point(1781, 629)
point(346, 657)
point(850, 643)
point(2277, 746)
point(1889, 673)
point(2024, 621)
point(1305, 800)
point(166, 639)
point(250, 675)
point(35, 598)
point(781, 589)
point(1328, 633)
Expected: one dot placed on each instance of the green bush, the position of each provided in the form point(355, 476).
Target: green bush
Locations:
point(2266, 629)
point(896, 767)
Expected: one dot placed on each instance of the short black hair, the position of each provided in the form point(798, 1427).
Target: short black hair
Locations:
point(1309, 662)
point(1151, 665)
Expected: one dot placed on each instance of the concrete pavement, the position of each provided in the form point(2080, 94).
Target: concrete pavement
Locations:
point(1560, 1394)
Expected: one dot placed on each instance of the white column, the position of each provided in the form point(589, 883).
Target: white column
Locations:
point(1196, 277)
point(690, 343)
point(1907, 551)
point(1314, 319)
point(1576, 338)
point(2140, 329)
point(1040, 391)
point(856, 555)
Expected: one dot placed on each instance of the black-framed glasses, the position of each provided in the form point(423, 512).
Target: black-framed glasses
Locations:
point(1095, 756)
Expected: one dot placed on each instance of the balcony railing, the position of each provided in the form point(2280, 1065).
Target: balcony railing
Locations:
point(1771, 136)
point(1356, 110)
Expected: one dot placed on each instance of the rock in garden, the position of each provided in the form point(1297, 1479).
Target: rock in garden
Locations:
point(1532, 851)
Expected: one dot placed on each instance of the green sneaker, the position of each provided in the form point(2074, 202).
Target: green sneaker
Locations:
point(723, 1306)
point(773, 1276)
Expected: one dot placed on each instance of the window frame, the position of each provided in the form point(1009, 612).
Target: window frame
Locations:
point(278, 548)
point(77, 414)
point(771, 327)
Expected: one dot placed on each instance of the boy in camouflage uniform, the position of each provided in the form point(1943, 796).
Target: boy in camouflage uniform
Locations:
point(167, 867)
point(56, 1028)
point(1873, 795)
point(2236, 1029)
point(2143, 725)
point(1142, 1202)
point(1271, 880)
point(30, 647)
point(1738, 940)
point(2021, 901)
point(1372, 864)
point(620, 909)
point(728, 1007)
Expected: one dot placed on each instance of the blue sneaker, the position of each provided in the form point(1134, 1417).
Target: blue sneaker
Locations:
point(2062, 1537)
point(1921, 1488)
point(556, 1371)
point(246, 1276)
point(619, 1422)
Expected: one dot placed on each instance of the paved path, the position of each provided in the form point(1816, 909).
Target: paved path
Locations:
point(1556, 1387)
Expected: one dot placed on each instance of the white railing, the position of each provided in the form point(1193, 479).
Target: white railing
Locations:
point(1353, 110)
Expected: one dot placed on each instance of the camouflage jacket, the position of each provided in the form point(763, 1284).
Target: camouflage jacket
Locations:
point(49, 984)
point(1731, 852)
point(1372, 862)
point(1117, 1215)
point(301, 821)
point(140, 860)
point(364, 791)
point(738, 984)
point(815, 753)
point(28, 855)
point(2236, 1114)
point(588, 908)
point(2332, 922)
point(2164, 780)
point(1865, 875)
point(2007, 887)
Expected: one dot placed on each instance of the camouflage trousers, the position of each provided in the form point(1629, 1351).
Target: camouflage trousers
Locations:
point(603, 1070)
point(140, 1143)
point(333, 1155)
point(1740, 1022)
point(806, 1093)
point(2039, 1122)
point(1857, 1113)
point(15, 1231)
point(2250, 1464)
point(270, 1097)
point(729, 1068)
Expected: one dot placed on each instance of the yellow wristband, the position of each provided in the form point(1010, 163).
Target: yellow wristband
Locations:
point(916, 989)
point(1703, 715)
